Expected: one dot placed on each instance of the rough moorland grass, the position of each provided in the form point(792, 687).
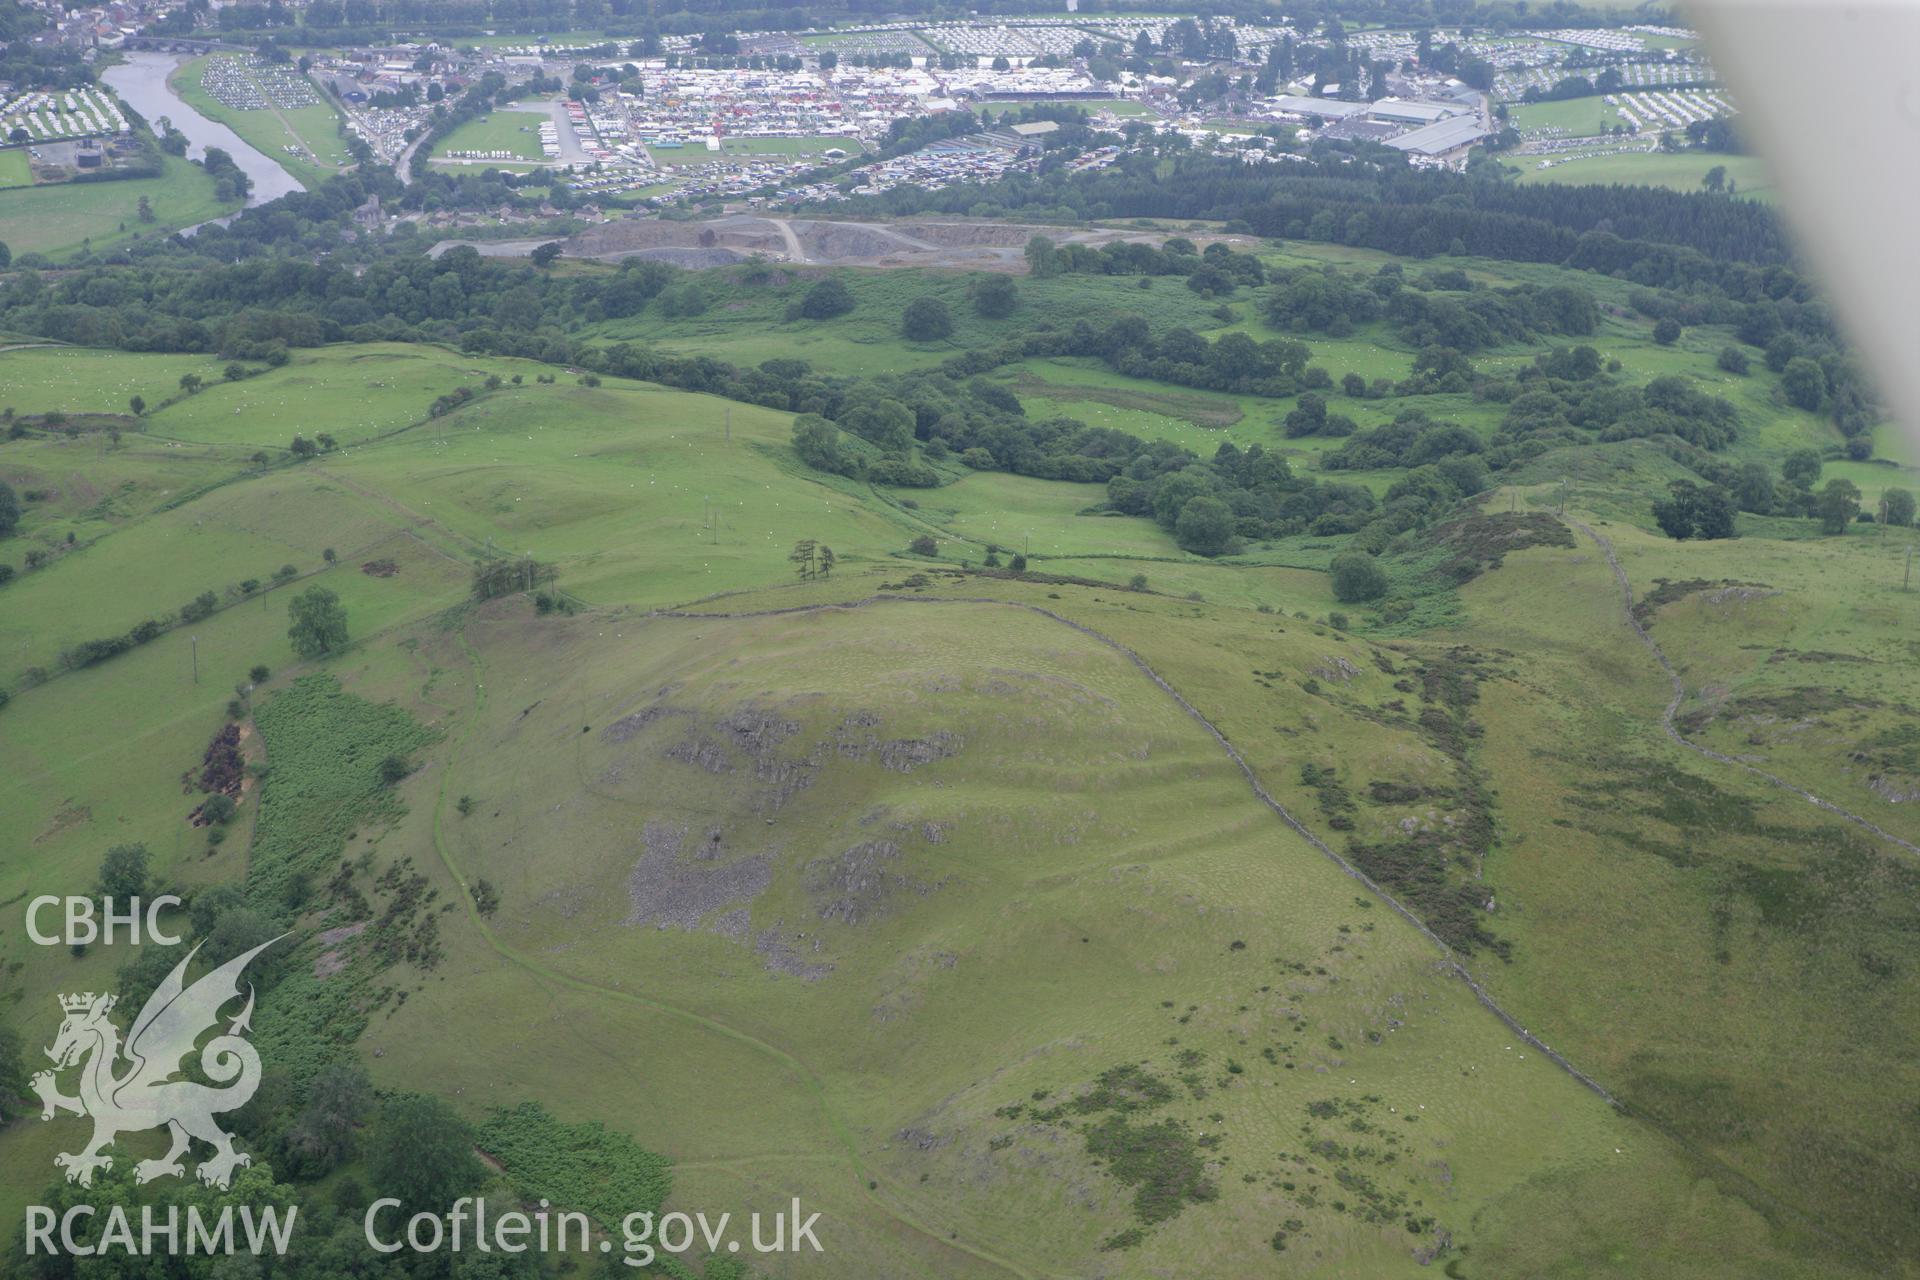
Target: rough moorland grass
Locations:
point(1074, 797)
point(845, 945)
point(1770, 925)
point(1796, 656)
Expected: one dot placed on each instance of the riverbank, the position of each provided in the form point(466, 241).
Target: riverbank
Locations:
point(305, 141)
point(144, 82)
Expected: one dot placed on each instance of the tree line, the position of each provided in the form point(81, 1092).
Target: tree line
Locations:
point(1657, 237)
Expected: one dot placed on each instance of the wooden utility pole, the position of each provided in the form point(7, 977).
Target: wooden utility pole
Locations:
point(1908, 579)
point(194, 641)
point(729, 424)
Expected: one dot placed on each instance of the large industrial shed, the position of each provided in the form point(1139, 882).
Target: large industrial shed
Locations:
point(1330, 108)
point(1413, 112)
point(1445, 142)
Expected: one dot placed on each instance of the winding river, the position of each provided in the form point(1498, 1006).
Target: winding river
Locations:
point(141, 81)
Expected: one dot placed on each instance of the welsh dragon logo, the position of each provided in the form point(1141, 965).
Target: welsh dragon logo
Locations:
point(147, 1094)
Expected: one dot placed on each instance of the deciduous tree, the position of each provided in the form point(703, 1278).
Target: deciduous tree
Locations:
point(926, 320)
point(316, 623)
point(421, 1152)
point(826, 299)
point(1802, 468)
point(994, 296)
point(1356, 577)
point(1204, 526)
point(123, 872)
point(1804, 383)
point(1838, 503)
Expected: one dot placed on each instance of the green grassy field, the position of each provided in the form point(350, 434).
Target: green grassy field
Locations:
point(305, 141)
point(1681, 172)
point(83, 380)
point(479, 166)
point(14, 169)
point(351, 393)
point(1576, 117)
point(953, 913)
point(695, 152)
point(1118, 106)
point(512, 131)
point(570, 40)
point(56, 220)
point(811, 146)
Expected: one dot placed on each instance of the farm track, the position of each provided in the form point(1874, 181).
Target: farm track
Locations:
point(1680, 693)
point(835, 1123)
